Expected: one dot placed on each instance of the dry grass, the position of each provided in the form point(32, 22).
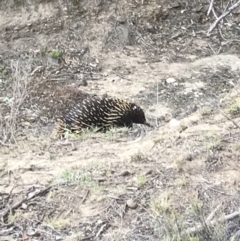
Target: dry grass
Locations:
point(75, 236)
point(205, 111)
point(234, 108)
point(58, 223)
point(212, 141)
point(140, 179)
point(21, 79)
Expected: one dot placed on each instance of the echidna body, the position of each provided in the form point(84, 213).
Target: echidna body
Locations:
point(102, 113)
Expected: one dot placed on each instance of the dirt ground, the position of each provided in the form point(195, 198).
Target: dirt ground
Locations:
point(176, 180)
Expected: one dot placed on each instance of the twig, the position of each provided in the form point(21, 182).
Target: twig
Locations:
point(85, 196)
point(101, 229)
point(51, 227)
point(145, 209)
point(86, 238)
point(76, 195)
point(229, 119)
point(218, 191)
point(157, 107)
point(223, 16)
point(210, 217)
point(18, 204)
point(6, 231)
point(214, 13)
point(6, 144)
point(212, 223)
point(121, 76)
point(210, 7)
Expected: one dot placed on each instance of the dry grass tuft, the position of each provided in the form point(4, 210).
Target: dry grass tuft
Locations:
point(21, 78)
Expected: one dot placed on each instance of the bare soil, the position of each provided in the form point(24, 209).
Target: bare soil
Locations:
point(144, 183)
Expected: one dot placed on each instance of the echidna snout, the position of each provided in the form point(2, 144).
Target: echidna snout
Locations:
point(139, 116)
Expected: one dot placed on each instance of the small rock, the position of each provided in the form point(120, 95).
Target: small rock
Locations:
point(31, 194)
point(121, 20)
point(100, 179)
point(150, 28)
point(189, 157)
point(94, 65)
point(125, 173)
point(75, 25)
point(53, 61)
point(175, 5)
point(174, 123)
point(59, 238)
point(24, 206)
point(83, 82)
point(99, 221)
point(149, 172)
point(170, 80)
point(131, 204)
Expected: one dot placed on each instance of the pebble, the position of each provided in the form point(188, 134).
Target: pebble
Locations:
point(125, 173)
point(59, 238)
point(174, 123)
point(121, 20)
point(170, 80)
point(24, 206)
point(131, 204)
point(83, 82)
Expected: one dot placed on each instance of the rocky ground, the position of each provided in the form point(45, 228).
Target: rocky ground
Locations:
point(177, 180)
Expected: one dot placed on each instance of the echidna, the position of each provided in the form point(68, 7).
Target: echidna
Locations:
point(102, 113)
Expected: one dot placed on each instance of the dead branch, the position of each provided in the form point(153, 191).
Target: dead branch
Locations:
point(19, 203)
point(85, 196)
point(211, 223)
point(6, 232)
point(210, 217)
point(230, 119)
point(101, 229)
point(210, 7)
point(223, 16)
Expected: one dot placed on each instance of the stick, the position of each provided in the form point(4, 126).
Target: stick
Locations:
point(223, 16)
point(230, 119)
point(210, 7)
point(101, 229)
point(157, 107)
point(18, 204)
point(6, 231)
point(210, 217)
point(200, 227)
point(85, 196)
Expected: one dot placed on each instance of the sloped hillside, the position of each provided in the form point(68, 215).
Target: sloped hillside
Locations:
point(177, 180)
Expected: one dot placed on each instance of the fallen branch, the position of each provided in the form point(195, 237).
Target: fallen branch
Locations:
point(211, 223)
point(101, 229)
point(6, 232)
point(210, 7)
point(85, 196)
point(210, 217)
point(18, 204)
point(230, 119)
point(223, 16)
